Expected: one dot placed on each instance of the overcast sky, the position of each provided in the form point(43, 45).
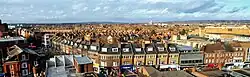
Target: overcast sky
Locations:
point(12, 11)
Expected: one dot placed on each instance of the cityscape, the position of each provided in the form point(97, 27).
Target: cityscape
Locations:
point(124, 38)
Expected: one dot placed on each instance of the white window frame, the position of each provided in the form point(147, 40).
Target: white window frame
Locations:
point(114, 49)
point(23, 57)
point(80, 46)
point(35, 63)
point(160, 48)
point(93, 48)
point(115, 63)
point(172, 48)
point(71, 43)
point(150, 49)
point(138, 49)
point(25, 72)
point(85, 47)
point(104, 49)
point(125, 49)
point(24, 65)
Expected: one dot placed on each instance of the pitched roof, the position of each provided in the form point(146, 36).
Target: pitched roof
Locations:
point(83, 60)
point(210, 48)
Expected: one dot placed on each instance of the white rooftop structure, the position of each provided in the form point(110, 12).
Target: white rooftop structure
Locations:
point(11, 39)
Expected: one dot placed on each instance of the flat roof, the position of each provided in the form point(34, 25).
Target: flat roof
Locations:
point(11, 39)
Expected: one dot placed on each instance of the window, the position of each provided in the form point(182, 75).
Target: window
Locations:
point(11, 66)
point(25, 72)
point(80, 46)
point(126, 63)
point(125, 49)
point(230, 29)
point(172, 49)
point(71, 43)
point(85, 47)
point(23, 57)
point(138, 63)
point(115, 63)
point(150, 62)
point(12, 74)
point(35, 63)
point(114, 49)
point(138, 49)
point(104, 49)
point(103, 63)
point(161, 48)
point(24, 65)
point(150, 49)
point(93, 48)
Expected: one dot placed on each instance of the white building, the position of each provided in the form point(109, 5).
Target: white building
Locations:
point(46, 41)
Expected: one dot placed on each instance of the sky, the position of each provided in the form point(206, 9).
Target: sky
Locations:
point(59, 11)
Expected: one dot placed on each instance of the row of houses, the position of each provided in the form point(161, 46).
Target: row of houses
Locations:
point(152, 53)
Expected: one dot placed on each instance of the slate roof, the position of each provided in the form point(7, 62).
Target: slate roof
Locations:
point(155, 73)
point(109, 48)
point(170, 45)
point(138, 46)
point(127, 45)
point(160, 45)
point(17, 51)
point(83, 60)
point(150, 46)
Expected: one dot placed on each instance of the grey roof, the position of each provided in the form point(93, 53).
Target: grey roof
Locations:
point(191, 56)
point(17, 51)
point(83, 60)
point(11, 39)
point(176, 74)
point(214, 73)
point(155, 73)
point(57, 72)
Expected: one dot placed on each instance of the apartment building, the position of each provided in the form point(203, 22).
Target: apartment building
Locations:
point(127, 54)
point(173, 57)
point(220, 53)
point(151, 54)
point(139, 54)
point(162, 53)
point(110, 55)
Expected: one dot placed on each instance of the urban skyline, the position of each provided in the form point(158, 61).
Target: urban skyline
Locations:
point(27, 11)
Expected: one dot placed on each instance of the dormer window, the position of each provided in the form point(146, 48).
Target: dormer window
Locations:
point(75, 44)
point(160, 48)
point(125, 49)
point(71, 43)
point(85, 47)
point(80, 46)
point(104, 49)
point(172, 49)
point(150, 49)
point(138, 49)
point(114, 49)
point(93, 48)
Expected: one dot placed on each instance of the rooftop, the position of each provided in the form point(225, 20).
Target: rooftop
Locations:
point(11, 39)
point(83, 60)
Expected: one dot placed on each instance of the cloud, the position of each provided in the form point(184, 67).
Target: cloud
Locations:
point(121, 10)
point(96, 9)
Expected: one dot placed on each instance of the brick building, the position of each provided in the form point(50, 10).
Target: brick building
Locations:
point(220, 53)
point(20, 62)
